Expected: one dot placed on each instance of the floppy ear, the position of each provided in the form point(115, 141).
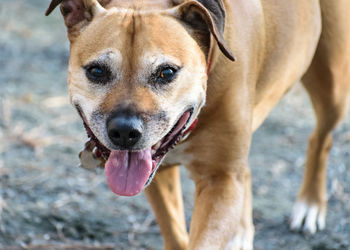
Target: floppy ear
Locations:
point(207, 15)
point(76, 12)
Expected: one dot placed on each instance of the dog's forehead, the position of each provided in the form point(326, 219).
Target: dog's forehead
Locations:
point(136, 36)
point(144, 4)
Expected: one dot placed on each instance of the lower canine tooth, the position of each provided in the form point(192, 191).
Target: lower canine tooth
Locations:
point(157, 145)
point(94, 151)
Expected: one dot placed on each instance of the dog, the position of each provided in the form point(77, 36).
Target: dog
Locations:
point(159, 83)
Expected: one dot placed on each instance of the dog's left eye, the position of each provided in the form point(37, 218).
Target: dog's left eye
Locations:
point(98, 73)
point(166, 74)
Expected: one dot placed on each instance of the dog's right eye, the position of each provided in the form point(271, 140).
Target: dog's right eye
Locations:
point(98, 73)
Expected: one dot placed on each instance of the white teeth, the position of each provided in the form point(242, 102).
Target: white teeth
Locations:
point(153, 151)
point(94, 150)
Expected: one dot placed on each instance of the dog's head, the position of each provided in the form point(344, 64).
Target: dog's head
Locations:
point(138, 79)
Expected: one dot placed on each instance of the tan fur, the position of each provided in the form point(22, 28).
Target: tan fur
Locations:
point(274, 42)
point(327, 82)
point(145, 4)
point(165, 197)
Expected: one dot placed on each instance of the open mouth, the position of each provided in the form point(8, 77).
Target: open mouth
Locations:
point(128, 172)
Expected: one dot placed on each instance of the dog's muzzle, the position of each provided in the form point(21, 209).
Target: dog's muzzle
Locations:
point(129, 171)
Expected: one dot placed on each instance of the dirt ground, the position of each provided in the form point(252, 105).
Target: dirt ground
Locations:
point(46, 200)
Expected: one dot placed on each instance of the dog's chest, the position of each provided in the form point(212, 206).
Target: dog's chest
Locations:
point(179, 155)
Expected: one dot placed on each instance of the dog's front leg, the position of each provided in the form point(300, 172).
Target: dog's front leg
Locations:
point(165, 197)
point(222, 216)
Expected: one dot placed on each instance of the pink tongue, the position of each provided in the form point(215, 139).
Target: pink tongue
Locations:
point(127, 172)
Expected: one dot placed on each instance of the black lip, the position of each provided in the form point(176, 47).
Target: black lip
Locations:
point(103, 150)
point(161, 152)
point(160, 158)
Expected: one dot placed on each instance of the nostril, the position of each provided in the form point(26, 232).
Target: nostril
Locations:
point(115, 134)
point(134, 134)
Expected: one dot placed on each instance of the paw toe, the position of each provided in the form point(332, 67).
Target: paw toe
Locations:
point(242, 241)
point(307, 218)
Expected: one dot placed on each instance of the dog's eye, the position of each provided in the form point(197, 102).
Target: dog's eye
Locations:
point(167, 74)
point(98, 73)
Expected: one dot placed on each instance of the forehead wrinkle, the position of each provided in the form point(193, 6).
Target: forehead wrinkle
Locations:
point(132, 34)
point(134, 43)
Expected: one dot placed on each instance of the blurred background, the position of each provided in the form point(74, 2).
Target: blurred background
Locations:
point(47, 202)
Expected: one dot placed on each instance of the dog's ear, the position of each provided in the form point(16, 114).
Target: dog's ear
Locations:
point(76, 13)
point(204, 15)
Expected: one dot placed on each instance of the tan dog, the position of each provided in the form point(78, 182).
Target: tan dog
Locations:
point(140, 71)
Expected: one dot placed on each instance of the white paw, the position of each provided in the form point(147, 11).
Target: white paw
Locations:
point(307, 218)
point(241, 241)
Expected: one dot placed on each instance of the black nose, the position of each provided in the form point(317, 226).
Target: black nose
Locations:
point(124, 130)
